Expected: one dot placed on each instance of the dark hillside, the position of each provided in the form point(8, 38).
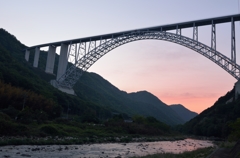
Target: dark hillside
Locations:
point(153, 103)
point(215, 120)
point(183, 112)
point(9, 42)
point(95, 88)
point(18, 73)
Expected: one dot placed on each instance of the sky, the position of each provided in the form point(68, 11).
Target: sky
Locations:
point(173, 73)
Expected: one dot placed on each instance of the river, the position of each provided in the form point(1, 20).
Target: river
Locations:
point(110, 150)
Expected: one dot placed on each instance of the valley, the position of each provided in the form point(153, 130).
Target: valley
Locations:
point(99, 112)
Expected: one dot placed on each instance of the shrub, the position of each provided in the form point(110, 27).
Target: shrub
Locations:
point(50, 130)
point(4, 117)
point(6, 127)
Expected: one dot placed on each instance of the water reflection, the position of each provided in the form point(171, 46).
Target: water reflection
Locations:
point(112, 150)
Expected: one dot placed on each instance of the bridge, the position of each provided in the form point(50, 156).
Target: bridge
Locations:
point(78, 55)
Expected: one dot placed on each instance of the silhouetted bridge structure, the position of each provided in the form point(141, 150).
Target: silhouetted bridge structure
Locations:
point(78, 55)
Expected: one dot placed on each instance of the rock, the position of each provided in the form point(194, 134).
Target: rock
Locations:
point(26, 155)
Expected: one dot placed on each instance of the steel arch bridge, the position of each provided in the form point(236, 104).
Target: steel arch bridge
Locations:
point(79, 55)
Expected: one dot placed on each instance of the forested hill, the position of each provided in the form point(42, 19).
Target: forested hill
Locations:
point(26, 96)
point(183, 112)
point(216, 120)
point(99, 90)
point(153, 103)
point(96, 97)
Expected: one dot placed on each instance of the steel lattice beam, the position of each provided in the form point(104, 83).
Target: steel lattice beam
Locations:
point(94, 54)
point(233, 42)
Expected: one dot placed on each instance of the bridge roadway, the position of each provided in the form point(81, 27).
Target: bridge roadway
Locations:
point(168, 27)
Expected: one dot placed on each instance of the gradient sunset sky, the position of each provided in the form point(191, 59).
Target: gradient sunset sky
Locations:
point(175, 74)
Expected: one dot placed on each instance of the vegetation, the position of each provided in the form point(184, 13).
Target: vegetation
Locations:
point(235, 130)
point(64, 131)
point(185, 114)
point(140, 126)
point(97, 89)
point(22, 85)
point(216, 121)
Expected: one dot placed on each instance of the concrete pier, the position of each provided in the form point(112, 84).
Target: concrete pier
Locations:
point(63, 61)
point(27, 53)
point(63, 89)
point(50, 59)
point(36, 57)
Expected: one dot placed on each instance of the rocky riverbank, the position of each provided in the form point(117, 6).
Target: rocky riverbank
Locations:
point(120, 150)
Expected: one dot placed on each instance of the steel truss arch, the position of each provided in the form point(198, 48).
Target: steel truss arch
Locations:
point(74, 72)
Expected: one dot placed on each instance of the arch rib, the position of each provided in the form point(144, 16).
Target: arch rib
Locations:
point(73, 73)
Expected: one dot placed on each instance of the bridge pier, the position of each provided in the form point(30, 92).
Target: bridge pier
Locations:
point(63, 89)
point(36, 57)
point(50, 59)
point(63, 60)
point(62, 66)
point(27, 53)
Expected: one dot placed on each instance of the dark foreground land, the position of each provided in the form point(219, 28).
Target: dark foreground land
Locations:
point(233, 152)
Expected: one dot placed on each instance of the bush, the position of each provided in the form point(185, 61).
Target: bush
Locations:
point(50, 130)
point(6, 127)
point(235, 133)
point(4, 117)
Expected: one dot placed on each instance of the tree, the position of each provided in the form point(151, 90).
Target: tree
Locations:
point(235, 133)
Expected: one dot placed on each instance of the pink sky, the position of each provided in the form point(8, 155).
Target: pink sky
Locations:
point(175, 74)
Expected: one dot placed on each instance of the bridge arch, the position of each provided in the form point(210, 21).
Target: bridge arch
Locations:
point(74, 72)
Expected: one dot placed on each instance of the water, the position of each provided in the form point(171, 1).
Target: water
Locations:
point(111, 150)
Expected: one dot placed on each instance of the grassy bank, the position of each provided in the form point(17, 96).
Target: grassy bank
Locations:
point(73, 131)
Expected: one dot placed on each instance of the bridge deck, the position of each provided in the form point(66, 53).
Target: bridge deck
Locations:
point(182, 25)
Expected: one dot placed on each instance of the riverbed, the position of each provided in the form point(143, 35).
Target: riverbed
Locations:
point(110, 150)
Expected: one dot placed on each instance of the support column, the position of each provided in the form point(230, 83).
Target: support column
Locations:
point(62, 64)
point(178, 31)
point(50, 59)
point(213, 37)
point(195, 32)
point(233, 42)
point(36, 57)
point(27, 52)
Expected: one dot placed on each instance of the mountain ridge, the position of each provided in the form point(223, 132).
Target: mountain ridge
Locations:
point(183, 112)
point(123, 101)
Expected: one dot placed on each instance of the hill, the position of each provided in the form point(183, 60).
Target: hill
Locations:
point(216, 120)
point(157, 108)
point(99, 90)
point(22, 81)
point(183, 112)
